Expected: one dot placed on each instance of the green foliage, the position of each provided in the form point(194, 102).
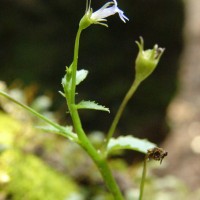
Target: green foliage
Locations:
point(67, 80)
point(81, 76)
point(51, 129)
point(129, 142)
point(23, 176)
point(91, 105)
point(8, 128)
point(32, 179)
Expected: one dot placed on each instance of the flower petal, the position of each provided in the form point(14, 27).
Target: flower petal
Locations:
point(106, 11)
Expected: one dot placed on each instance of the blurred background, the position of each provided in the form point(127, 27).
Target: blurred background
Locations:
point(36, 43)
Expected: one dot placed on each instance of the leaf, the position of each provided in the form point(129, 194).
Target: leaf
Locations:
point(129, 142)
point(63, 81)
point(62, 130)
point(53, 130)
point(91, 105)
point(67, 79)
point(81, 75)
point(66, 129)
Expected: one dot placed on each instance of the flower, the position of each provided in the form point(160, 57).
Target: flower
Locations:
point(107, 11)
point(147, 60)
point(100, 15)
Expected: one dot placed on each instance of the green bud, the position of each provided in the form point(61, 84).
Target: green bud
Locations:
point(146, 60)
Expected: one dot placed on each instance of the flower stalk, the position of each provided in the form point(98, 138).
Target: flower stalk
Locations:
point(126, 99)
point(145, 63)
point(142, 183)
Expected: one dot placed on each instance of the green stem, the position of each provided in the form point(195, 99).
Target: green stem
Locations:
point(128, 96)
point(74, 66)
point(143, 179)
point(98, 158)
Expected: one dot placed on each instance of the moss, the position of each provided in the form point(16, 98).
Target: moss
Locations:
point(8, 128)
point(32, 179)
point(24, 176)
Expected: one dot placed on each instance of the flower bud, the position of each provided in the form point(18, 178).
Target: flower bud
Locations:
point(146, 60)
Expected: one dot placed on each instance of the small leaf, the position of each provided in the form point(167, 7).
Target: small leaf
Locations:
point(53, 130)
point(91, 105)
point(67, 79)
point(129, 142)
point(63, 81)
point(67, 130)
point(81, 75)
point(66, 85)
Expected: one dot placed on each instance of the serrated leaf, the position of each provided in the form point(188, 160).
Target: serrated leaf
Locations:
point(67, 79)
point(81, 75)
point(129, 142)
point(91, 105)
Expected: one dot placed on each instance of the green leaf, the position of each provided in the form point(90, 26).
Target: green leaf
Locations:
point(66, 130)
point(67, 80)
point(52, 129)
point(129, 142)
point(62, 131)
point(81, 75)
point(91, 105)
point(63, 81)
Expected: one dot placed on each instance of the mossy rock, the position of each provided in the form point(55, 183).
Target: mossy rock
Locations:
point(32, 179)
point(24, 176)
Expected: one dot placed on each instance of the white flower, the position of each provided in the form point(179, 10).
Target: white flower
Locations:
point(105, 11)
